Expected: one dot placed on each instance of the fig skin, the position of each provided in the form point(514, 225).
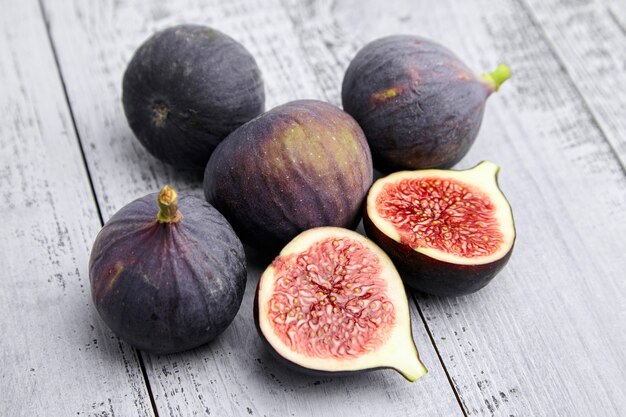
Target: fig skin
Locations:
point(167, 285)
point(418, 104)
point(186, 88)
point(433, 276)
point(300, 165)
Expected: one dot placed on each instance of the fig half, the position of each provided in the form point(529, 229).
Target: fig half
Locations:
point(448, 232)
point(333, 303)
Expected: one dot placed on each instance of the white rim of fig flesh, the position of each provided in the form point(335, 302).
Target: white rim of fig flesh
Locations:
point(482, 178)
point(397, 351)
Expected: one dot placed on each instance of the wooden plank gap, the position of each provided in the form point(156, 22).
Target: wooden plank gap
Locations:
point(616, 19)
point(91, 185)
point(147, 382)
point(71, 111)
point(570, 79)
point(443, 364)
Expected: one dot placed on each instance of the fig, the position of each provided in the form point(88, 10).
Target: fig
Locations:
point(419, 105)
point(167, 280)
point(448, 232)
point(186, 88)
point(300, 165)
point(332, 303)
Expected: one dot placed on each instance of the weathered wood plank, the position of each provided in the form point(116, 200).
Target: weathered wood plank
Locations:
point(545, 337)
point(57, 359)
point(234, 375)
point(590, 41)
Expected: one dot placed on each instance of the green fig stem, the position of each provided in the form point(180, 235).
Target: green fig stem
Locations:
point(168, 206)
point(497, 77)
point(412, 368)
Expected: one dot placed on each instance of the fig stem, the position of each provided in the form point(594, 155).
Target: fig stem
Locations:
point(413, 369)
point(497, 77)
point(168, 206)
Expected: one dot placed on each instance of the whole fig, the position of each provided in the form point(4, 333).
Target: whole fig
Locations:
point(418, 104)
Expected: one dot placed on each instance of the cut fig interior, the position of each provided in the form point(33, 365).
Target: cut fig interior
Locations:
point(332, 302)
point(449, 232)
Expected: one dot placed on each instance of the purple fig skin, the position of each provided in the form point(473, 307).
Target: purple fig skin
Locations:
point(186, 88)
point(430, 275)
point(167, 287)
point(300, 165)
point(418, 104)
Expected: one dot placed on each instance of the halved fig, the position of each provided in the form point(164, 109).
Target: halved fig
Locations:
point(448, 232)
point(333, 303)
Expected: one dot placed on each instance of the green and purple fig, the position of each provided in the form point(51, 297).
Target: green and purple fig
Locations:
point(300, 165)
point(419, 105)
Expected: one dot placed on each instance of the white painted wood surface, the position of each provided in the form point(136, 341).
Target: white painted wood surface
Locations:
point(544, 339)
point(57, 357)
point(589, 39)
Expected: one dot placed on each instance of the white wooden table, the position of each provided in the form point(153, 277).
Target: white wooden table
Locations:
point(546, 338)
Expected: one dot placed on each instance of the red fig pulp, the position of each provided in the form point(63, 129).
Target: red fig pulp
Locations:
point(448, 232)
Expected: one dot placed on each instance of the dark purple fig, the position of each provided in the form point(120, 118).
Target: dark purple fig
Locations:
point(186, 88)
point(300, 165)
point(418, 104)
point(167, 277)
point(448, 232)
point(332, 303)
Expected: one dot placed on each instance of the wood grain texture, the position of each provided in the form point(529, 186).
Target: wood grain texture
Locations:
point(617, 12)
point(57, 358)
point(545, 337)
point(589, 40)
point(234, 375)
